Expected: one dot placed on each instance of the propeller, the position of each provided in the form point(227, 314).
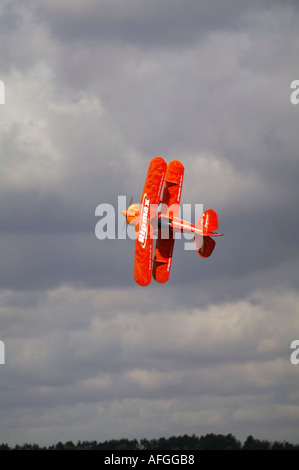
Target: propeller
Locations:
point(125, 214)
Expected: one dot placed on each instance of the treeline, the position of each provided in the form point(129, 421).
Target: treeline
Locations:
point(207, 442)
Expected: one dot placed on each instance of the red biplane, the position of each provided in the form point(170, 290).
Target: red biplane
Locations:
point(149, 222)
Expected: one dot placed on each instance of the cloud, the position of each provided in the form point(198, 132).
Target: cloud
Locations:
point(117, 355)
point(93, 92)
point(148, 24)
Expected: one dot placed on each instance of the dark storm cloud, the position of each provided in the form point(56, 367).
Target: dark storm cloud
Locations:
point(41, 261)
point(170, 23)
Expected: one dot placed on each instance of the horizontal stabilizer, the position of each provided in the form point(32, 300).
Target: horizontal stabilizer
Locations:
point(204, 245)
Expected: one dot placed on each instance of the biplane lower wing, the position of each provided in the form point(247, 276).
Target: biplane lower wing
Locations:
point(163, 258)
point(148, 209)
point(170, 207)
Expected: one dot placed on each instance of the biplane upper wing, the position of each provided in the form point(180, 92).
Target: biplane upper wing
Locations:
point(170, 207)
point(148, 209)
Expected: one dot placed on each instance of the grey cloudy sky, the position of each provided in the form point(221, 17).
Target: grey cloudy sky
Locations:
point(94, 90)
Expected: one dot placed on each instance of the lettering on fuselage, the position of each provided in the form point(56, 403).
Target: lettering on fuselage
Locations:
point(143, 221)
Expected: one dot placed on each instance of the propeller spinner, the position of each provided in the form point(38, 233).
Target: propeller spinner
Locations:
point(131, 214)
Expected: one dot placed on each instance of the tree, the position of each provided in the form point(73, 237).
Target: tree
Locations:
point(219, 442)
point(256, 444)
